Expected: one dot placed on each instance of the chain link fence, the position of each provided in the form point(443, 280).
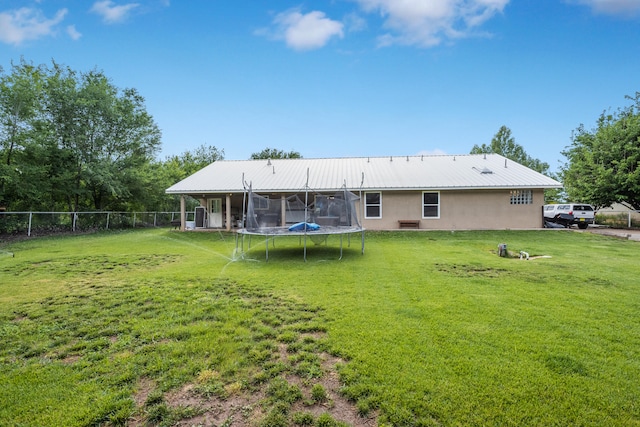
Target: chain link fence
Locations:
point(44, 223)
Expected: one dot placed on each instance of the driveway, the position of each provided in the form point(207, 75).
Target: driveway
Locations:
point(622, 233)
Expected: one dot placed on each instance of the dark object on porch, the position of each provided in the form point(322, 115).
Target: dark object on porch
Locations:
point(175, 223)
point(409, 223)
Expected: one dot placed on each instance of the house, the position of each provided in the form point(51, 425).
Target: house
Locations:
point(439, 192)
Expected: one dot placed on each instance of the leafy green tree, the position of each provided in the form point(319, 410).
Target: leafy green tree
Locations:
point(106, 133)
point(20, 93)
point(190, 162)
point(71, 140)
point(273, 153)
point(504, 143)
point(174, 169)
point(604, 164)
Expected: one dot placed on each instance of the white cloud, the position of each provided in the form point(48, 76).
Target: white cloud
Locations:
point(355, 23)
point(73, 33)
point(613, 7)
point(306, 31)
point(428, 23)
point(112, 13)
point(17, 26)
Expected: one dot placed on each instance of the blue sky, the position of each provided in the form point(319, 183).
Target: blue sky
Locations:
point(341, 78)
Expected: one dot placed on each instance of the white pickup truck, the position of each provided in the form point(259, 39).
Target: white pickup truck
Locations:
point(567, 214)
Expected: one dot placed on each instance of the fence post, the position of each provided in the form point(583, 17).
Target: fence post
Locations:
point(629, 219)
point(155, 216)
point(29, 230)
point(107, 221)
point(134, 220)
point(75, 217)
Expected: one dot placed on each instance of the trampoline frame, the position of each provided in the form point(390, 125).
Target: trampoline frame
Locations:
point(272, 232)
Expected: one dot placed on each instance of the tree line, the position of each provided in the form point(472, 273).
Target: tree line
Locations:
point(72, 141)
point(603, 163)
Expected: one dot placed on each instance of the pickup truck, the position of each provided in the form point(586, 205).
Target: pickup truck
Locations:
point(567, 214)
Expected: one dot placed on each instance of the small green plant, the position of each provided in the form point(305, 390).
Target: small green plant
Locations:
point(155, 397)
point(279, 390)
point(318, 393)
point(302, 419)
point(326, 420)
point(274, 419)
point(288, 337)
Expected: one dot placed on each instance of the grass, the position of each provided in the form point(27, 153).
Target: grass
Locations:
point(432, 328)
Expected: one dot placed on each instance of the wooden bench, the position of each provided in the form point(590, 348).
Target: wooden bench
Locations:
point(409, 223)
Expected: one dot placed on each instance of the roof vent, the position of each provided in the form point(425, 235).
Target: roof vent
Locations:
point(268, 162)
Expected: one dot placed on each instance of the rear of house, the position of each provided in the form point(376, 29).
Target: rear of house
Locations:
point(485, 191)
point(453, 209)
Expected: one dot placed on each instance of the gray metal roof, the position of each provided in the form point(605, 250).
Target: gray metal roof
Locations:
point(441, 172)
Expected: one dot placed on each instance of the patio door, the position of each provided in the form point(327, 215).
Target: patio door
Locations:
point(214, 206)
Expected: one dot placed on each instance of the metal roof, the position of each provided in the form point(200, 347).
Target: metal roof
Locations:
point(437, 172)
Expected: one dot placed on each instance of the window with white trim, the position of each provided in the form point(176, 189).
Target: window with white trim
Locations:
point(431, 204)
point(373, 205)
point(521, 197)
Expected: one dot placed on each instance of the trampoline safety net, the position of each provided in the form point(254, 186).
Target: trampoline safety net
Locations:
point(310, 214)
point(331, 212)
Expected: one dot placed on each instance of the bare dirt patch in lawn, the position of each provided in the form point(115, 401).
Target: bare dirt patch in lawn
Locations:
point(249, 407)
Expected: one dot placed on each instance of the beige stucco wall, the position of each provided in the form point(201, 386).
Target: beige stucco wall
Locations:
point(459, 210)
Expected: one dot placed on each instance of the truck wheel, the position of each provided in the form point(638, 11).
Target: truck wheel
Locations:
point(582, 225)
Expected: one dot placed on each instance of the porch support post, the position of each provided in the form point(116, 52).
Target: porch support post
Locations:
point(228, 214)
point(283, 210)
point(183, 212)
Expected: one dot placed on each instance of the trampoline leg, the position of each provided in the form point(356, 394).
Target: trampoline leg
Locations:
point(305, 248)
point(267, 251)
point(340, 247)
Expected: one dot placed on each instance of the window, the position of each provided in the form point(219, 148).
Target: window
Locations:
point(260, 203)
point(431, 204)
point(521, 197)
point(373, 205)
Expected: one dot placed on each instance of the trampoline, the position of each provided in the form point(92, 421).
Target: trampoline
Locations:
point(308, 214)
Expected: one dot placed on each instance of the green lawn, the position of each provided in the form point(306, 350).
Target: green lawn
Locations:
point(425, 328)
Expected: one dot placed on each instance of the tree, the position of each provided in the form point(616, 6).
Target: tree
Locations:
point(272, 153)
point(71, 140)
point(106, 133)
point(603, 164)
point(175, 168)
point(505, 145)
point(20, 93)
point(189, 162)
